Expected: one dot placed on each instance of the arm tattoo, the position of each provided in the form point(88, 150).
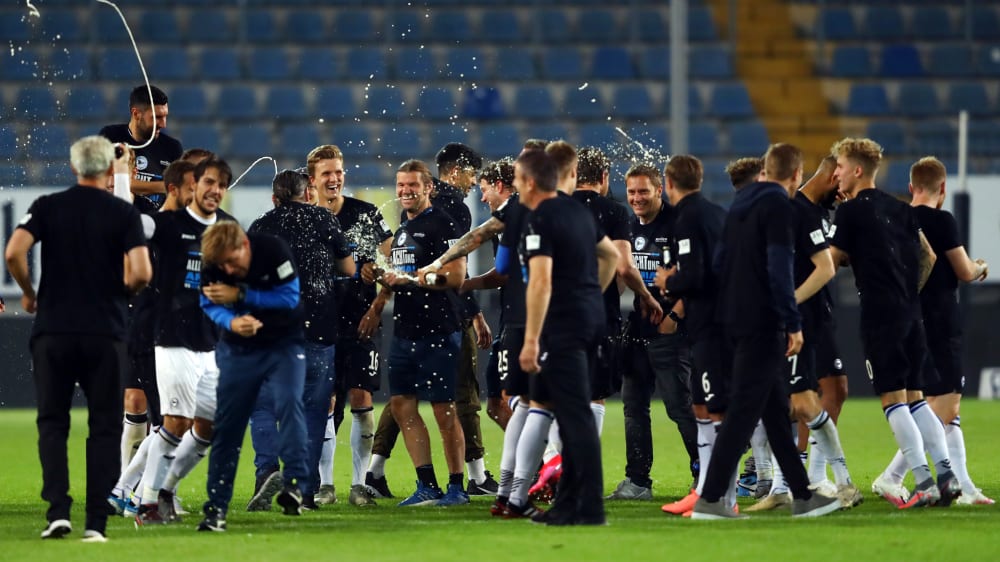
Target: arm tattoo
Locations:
point(472, 240)
point(926, 265)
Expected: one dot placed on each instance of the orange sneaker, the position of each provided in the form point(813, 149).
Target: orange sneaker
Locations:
point(682, 505)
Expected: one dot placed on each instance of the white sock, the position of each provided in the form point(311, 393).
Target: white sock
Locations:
point(911, 444)
point(189, 453)
point(477, 470)
point(956, 451)
point(362, 435)
point(530, 446)
point(761, 453)
point(161, 455)
point(780, 485)
point(731, 492)
point(817, 462)
point(897, 469)
point(377, 467)
point(133, 434)
point(598, 411)
point(326, 455)
point(555, 443)
point(824, 431)
point(130, 477)
point(510, 438)
point(706, 442)
point(932, 432)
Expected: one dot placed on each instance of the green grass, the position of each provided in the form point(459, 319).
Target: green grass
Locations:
point(636, 530)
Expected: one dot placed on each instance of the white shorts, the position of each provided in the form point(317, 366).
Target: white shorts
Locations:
point(187, 381)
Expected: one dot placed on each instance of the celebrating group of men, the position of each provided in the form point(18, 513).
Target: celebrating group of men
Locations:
point(731, 326)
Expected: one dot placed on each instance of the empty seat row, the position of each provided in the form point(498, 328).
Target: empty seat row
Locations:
point(920, 99)
point(944, 60)
point(934, 136)
point(891, 23)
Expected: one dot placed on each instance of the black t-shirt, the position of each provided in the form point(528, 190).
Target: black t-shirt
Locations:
point(811, 236)
point(941, 231)
point(651, 245)
point(85, 233)
point(177, 243)
point(614, 219)
point(418, 312)
point(880, 234)
point(316, 241)
point(564, 230)
point(142, 307)
point(273, 293)
point(512, 214)
point(451, 200)
point(151, 161)
point(365, 229)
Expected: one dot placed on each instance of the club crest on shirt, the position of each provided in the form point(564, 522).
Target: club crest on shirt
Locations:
point(402, 238)
point(141, 162)
point(640, 243)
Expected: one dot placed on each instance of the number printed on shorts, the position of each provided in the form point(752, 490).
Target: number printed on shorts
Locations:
point(502, 366)
point(373, 363)
point(868, 367)
point(794, 360)
point(706, 385)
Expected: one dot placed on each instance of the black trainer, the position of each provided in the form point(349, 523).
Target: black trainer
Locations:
point(949, 487)
point(290, 499)
point(165, 506)
point(214, 521)
point(379, 485)
point(57, 529)
point(488, 487)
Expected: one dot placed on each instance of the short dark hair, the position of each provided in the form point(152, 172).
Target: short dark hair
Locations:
point(539, 166)
point(197, 154)
point(214, 162)
point(174, 174)
point(140, 97)
point(591, 165)
point(501, 170)
point(685, 171)
point(646, 171)
point(457, 154)
point(781, 161)
point(289, 185)
point(744, 171)
point(535, 144)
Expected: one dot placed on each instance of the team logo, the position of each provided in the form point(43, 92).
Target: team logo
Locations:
point(838, 364)
point(141, 162)
point(826, 227)
point(174, 402)
point(402, 239)
point(640, 243)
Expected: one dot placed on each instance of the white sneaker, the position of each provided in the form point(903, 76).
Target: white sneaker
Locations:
point(57, 529)
point(974, 498)
point(895, 494)
point(824, 487)
point(849, 495)
point(91, 535)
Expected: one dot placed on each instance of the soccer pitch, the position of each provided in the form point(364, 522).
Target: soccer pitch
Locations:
point(636, 530)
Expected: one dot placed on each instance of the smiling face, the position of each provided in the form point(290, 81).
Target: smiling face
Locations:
point(643, 197)
point(143, 119)
point(413, 194)
point(236, 263)
point(208, 193)
point(492, 194)
point(329, 178)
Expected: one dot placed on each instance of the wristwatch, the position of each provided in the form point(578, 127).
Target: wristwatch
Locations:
point(242, 296)
point(675, 317)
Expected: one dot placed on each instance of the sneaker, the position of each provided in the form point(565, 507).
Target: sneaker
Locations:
point(714, 511)
point(268, 487)
point(327, 494)
point(949, 488)
point(361, 496)
point(131, 510)
point(849, 496)
point(542, 492)
point(454, 496)
point(683, 505)
point(179, 507)
point(149, 514)
point(378, 485)
point(290, 499)
point(165, 506)
point(773, 501)
point(817, 505)
point(499, 507)
point(896, 494)
point(118, 504)
point(627, 490)
point(214, 522)
point(924, 494)
point(526, 511)
point(57, 529)
point(488, 487)
point(763, 488)
point(976, 498)
point(424, 495)
point(746, 486)
point(91, 535)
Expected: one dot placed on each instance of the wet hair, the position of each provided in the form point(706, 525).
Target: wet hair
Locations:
point(685, 171)
point(744, 171)
point(541, 167)
point(457, 154)
point(501, 170)
point(781, 161)
point(322, 152)
point(139, 98)
point(591, 165)
point(417, 166)
point(219, 164)
point(289, 185)
point(535, 144)
point(863, 152)
point(646, 171)
point(927, 174)
point(220, 238)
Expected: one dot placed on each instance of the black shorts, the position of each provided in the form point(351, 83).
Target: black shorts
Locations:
point(711, 366)
point(827, 353)
point(357, 364)
point(141, 374)
point(564, 360)
point(894, 354)
point(426, 368)
point(515, 381)
point(493, 387)
point(942, 369)
point(801, 370)
point(605, 371)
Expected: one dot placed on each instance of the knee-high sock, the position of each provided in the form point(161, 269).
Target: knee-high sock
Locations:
point(555, 442)
point(824, 431)
point(780, 485)
point(729, 498)
point(598, 410)
point(911, 444)
point(706, 441)
point(761, 453)
point(530, 446)
point(897, 469)
point(817, 462)
point(133, 434)
point(131, 475)
point(932, 431)
point(189, 453)
point(326, 455)
point(362, 434)
point(956, 451)
point(510, 438)
point(161, 454)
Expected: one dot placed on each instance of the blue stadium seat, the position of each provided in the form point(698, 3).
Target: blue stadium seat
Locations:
point(900, 61)
point(483, 104)
point(749, 137)
point(286, 102)
point(117, 63)
point(443, 133)
point(13, 175)
point(731, 101)
point(515, 64)
point(261, 27)
point(319, 63)
point(837, 24)
point(696, 106)
point(297, 140)
point(353, 138)
point(653, 26)
point(889, 134)
point(554, 26)
point(220, 63)
point(451, 26)
point(307, 26)
point(612, 63)
point(584, 104)
point(36, 103)
point(700, 24)
point(195, 135)
point(56, 173)
point(436, 103)
point(237, 102)
point(562, 63)
point(938, 137)
point(985, 22)
point(884, 23)
point(249, 140)
point(655, 140)
point(601, 134)
point(355, 26)
point(711, 62)
point(703, 139)
point(970, 96)
point(546, 131)
point(87, 101)
point(270, 63)
point(64, 24)
point(534, 102)
point(950, 60)
point(654, 63)
point(499, 140)
point(932, 23)
point(8, 142)
point(210, 26)
point(405, 26)
point(896, 179)
point(632, 101)
point(988, 60)
point(465, 63)
point(402, 141)
point(416, 63)
point(47, 142)
point(386, 102)
point(983, 139)
point(24, 65)
point(501, 27)
point(335, 102)
point(851, 61)
point(598, 26)
point(366, 62)
point(170, 63)
point(371, 173)
point(868, 100)
point(109, 28)
point(74, 64)
point(15, 26)
point(917, 99)
point(188, 103)
point(160, 26)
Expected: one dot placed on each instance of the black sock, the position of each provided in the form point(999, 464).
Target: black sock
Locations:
point(456, 479)
point(426, 476)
